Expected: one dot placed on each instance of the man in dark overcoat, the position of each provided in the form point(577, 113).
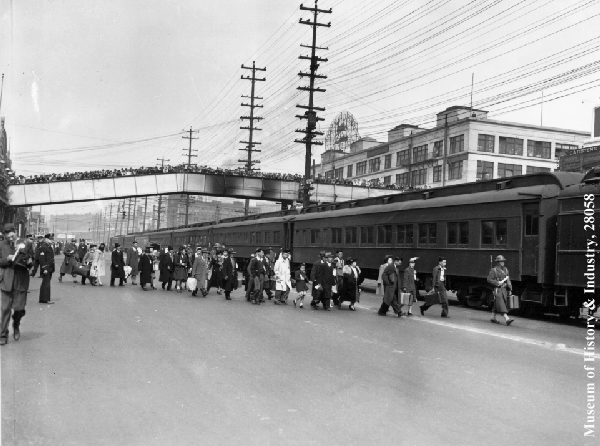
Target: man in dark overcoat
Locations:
point(390, 295)
point(144, 267)
point(439, 286)
point(338, 261)
point(325, 278)
point(14, 283)
point(166, 267)
point(82, 250)
point(316, 292)
point(228, 272)
point(409, 285)
point(257, 271)
point(268, 280)
point(70, 260)
point(44, 259)
point(116, 266)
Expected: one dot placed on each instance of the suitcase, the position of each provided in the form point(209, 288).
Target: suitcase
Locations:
point(405, 298)
point(432, 298)
point(513, 302)
point(81, 270)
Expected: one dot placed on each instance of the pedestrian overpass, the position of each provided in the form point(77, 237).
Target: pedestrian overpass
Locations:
point(220, 185)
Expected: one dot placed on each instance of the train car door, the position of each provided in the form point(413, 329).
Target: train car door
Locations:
point(530, 242)
point(289, 236)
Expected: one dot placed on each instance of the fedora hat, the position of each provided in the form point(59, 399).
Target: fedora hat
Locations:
point(500, 258)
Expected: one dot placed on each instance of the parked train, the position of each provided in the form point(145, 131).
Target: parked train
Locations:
point(535, 221)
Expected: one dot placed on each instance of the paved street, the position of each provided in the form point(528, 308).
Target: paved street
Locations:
point(119, 366)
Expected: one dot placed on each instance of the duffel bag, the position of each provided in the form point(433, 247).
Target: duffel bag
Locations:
point(81, 270)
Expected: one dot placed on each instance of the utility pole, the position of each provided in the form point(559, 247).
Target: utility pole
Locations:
point(250, 143)
point(122, 210)
point(133, 225)
point(189, 163)
point(311, 111)
point(109, 223)
point(145, 213)
point(128, 214)
point(162, 165)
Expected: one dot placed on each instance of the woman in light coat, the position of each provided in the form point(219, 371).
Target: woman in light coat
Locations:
point(283, 278)
point(98, 264)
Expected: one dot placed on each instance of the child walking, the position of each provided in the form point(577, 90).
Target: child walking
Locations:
point(301, 286)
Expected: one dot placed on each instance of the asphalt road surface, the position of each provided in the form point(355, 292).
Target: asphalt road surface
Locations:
point(120, 366)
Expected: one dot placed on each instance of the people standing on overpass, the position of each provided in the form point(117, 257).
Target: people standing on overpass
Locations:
point(98, 266)
point(180, 267)
point(166, 268)
point(14, 283)
point(499, 279)
point(439, 286)
point(133, 260)
point(117, 265)
point(70, 261)
point(44, 259)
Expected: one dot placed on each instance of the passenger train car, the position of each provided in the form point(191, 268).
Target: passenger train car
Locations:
point(535, 221)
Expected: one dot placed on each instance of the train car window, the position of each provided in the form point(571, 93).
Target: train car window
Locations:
point(367, 235)
point(268, 237)
point(384, 235)
point(259, 238)
point(253, 238)
point(494, 233)
point(351, 236)
point(458, 233)
point(297, 235)
point(405, 235)
point(427, 234)
point(336, 236)
point(277, 237)
point(315, 236)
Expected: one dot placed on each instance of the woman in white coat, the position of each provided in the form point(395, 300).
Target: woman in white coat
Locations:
point(283, 278)
point(98, 263)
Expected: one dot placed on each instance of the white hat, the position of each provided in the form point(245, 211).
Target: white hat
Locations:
point(413, 259)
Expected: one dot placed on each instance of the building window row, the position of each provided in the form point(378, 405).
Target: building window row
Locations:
point(374, 165)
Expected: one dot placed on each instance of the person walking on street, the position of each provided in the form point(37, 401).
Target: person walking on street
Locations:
point(70, 261)
point(410, 278)
point(283, 278)
point(352, 280)
point(338, 261)
point(216, 272)
point(499, 279)
point(316, 292)
point(301, 285)
point(133, 260)
point(98, 268)
point(390, 281)
point(325, 279)
point(87, 261)
point(180, 263)
point(166, 268)
point(200, 271)
point(257, 271)
point(14, 283)
point(144, 268)
point(228, 272)
point(439, 286)
point(117, 266)
point(44, 259)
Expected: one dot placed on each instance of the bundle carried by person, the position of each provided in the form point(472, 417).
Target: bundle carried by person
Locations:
point(81, 270)
point(127, 270)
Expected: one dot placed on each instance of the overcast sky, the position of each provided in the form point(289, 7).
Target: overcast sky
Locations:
point(112, 83)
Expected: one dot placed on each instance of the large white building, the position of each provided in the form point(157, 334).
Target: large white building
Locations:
point(464, 146)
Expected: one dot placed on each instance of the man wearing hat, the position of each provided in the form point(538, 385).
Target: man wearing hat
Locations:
point(410, 278)
point(325, 278)
point(81, 250)
point(439, 286)
point(200, 271)
point(498, 278)
point(228, 272)
point(70, 260)
point(14, 282)
point(145, 269)
point(316, 292)
point(257, 271)
point(133, 260)
point(44, 259)
point(166, 268)
point(87, 261)
point(117, 265)
point(390, 280)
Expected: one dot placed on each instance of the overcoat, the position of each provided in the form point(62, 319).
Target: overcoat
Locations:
point(283, 275)
point(268, 283)
point(166, 267)
point(200, 271)
point(117, 264)
point(227, 271)
point(70, 260)
point(351, 283)
point(145, 268)
point(494, 277)
point(180, 263)
point(301, 281)
point(133, 260)
point(325, 276)
point(98, 264)
point(216, 276)
point(390, 282)
point(81, 251)
point(44, 258)
point(11, 277)
point(379, 291)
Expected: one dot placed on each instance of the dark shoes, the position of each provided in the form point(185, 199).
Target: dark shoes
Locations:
point(445, 316)
point(510, 321)
point(422, 310)
point(50, 302)
point(16, 332)
point(145, 289)
point(409, 314)
point(3, 340)
point(351, 308)
point(494, 321)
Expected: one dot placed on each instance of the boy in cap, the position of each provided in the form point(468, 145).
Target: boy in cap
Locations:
point(439, 286)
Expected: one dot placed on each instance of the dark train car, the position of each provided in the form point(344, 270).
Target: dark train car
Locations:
point(577, 244)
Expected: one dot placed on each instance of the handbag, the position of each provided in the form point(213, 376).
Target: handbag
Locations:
point(432, 298)
point(192, 283)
